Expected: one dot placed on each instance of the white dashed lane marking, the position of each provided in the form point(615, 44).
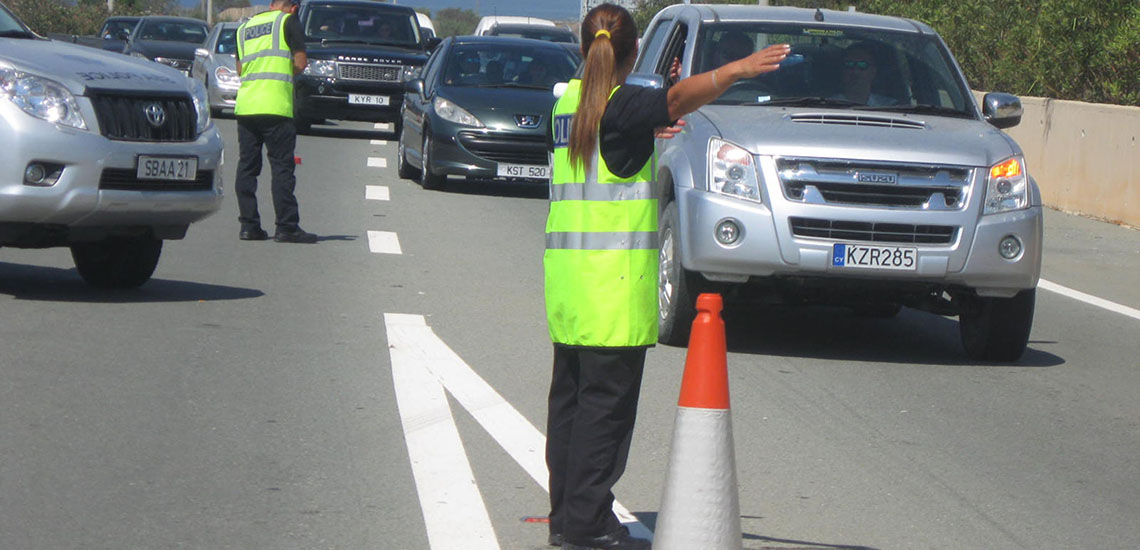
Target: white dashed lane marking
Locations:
point(379, 142)
point(383, 242)
point(1089, 299)
point(376, 193)
point(377, 162)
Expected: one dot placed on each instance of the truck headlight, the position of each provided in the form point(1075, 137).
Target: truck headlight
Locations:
point(321, 67)
point(41, 97)
point(732, 171)
point(1007, 187)
point(227, 77)
point(453, 113)
point(201, 104)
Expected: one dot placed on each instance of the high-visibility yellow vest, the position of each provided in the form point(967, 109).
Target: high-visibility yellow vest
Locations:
point(601, 247)
point(266, 66)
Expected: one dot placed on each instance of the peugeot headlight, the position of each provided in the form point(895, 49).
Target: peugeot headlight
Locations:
point(41, 97)
point(453, 113)
point(732, 171)
point(227, 77)
point(1007, 187)
point(201, 104)
point(321, 67)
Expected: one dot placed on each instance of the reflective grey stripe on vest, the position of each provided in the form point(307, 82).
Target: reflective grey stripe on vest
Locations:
point(267, 76)
point(268, 53)
point(612, 240)
point(628, 191)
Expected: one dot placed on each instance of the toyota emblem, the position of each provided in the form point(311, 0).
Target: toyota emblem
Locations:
point(155, 115)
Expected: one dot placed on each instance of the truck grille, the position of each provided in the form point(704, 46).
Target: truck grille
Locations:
point(518, 149)
point(126, 179)
point(879, 185)
point(123, 117)
point(873, 232)
point(375, 73)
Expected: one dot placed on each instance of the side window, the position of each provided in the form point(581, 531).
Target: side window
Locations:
point(674, 48)
point(650, 43)
point(431, 68)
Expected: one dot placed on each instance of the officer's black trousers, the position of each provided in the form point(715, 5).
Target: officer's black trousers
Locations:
point(592, 407)
point(279, 137)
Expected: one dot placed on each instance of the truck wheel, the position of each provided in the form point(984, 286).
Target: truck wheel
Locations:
point(676, 297)
point(117, 262)
point(427, 179)
point(404, 169)
point(997, 329)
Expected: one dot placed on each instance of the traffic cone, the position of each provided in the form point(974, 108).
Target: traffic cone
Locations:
point(700, 507)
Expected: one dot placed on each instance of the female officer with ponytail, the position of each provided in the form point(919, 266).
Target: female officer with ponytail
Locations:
point(601, 267)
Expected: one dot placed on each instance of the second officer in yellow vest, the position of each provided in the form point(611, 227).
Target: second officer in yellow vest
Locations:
point(270, 51)
point(601, 267)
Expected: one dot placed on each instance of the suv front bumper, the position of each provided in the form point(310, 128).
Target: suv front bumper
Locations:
point(327, 98)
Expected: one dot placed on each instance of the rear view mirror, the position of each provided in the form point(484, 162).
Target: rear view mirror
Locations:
point(647, 80)
point(201, 52)
point(431, 42)
point(1002, 110)
point(415, 86)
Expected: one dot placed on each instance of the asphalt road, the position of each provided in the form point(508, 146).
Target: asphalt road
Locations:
point(246, 397)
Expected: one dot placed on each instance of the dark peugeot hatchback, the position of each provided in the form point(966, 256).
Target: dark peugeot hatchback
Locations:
point(360, 53)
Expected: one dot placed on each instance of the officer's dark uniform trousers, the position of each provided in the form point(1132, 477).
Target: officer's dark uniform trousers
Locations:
point(279, 136)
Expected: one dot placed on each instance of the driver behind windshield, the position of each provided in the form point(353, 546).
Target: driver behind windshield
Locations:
point(859, 69)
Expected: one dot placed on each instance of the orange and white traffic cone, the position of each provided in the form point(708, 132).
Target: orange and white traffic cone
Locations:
point(700, 507)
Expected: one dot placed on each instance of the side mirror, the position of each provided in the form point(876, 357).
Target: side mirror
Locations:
point(1002, 110)
point(415, 86)
point(124, 35)
point(431, 42)
point(201, 52)
point(648, 80)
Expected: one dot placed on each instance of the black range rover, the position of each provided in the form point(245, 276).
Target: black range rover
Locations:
point(360, 53)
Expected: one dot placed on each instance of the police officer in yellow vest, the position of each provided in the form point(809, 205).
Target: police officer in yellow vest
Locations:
point(601, 266)
point(270, 51)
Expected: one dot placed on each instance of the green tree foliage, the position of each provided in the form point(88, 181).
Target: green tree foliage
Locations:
point(455, 22)
point(1064, 49)
point(80, 18)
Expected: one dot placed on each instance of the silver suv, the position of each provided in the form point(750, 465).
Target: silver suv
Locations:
point(861, 173)
point(102, 153)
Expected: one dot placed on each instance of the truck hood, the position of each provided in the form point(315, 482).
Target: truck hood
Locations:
point(365, 53)
point(836, 133)
point(79, 68)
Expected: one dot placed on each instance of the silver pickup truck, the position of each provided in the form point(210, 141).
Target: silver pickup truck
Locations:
point(103, 153)
point(861, 173)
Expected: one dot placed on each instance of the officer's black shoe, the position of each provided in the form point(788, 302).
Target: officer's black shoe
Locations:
point(253, 234)
point(617, 540)
point(555, 540)
point(295, 235)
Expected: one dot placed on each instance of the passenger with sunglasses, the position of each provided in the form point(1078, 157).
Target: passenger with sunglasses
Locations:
point(859, 69)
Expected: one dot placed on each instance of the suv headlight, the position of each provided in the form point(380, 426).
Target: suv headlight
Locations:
point(453, 113)
point(201, 104)
point(732, 171)
point(41, 97)
point(409, 72)
point(321, 67)
point(1007, 187)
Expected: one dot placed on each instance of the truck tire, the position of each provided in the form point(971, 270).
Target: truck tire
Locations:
point(404, 169)
point(427, 179)
point(997, 329)
point(676, 289)
point(117, 262)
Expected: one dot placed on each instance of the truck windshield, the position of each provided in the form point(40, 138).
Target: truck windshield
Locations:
point(9, 23)
point(868, 69)
point(362, 25)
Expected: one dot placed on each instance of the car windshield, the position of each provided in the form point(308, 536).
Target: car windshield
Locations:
point(9, 23)
point(865, 69)
point(116, 28)
point(227, 41)
point(362, 25)
point(508, 66)
point(173, 31)
point(549, 34)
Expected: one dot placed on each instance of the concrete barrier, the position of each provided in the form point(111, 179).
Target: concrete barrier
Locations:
point(1084, 156)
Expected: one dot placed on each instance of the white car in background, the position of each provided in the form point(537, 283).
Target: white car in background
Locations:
point(489, 21)
point(426, 24)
